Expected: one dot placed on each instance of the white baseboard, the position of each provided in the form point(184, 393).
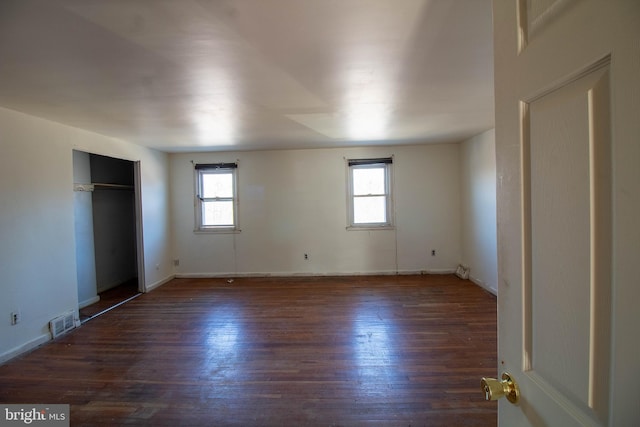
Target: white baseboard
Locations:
point(439, 271)
point(248, 275)
point(30, 345)
point(159, 283)
point(483, 285)
point(311, 274)
point(88, 302)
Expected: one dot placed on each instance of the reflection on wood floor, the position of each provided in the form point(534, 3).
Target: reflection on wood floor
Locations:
point(383, 350)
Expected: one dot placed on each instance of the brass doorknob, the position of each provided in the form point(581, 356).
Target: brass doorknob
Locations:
point(494, 389)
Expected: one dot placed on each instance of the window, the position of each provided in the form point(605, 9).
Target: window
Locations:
point(216, 199)
point(369, 190)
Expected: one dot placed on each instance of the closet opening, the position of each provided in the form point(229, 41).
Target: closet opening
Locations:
point(108, 232)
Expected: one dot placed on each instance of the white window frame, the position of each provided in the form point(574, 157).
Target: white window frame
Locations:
point(385, 163)
point(216, 168)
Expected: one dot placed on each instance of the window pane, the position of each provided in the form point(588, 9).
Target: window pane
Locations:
point(368, 181)
point(217, 213)
point(217, 185)
point(368, 210)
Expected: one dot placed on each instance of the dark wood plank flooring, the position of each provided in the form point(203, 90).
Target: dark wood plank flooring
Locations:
point(340, 351)
point(110, 298)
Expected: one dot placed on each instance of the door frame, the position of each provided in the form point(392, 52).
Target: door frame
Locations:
point(137, 189)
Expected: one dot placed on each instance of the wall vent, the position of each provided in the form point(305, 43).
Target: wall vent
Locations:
point(62, 324)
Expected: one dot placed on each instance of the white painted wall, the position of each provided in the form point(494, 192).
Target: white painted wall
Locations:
point(478, 192)
point(37, 236)
point(293, 202)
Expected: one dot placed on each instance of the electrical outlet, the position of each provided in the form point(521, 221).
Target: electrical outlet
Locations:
point(433, 252)
point(306, 256)
point(176, 263)
point(15, 317)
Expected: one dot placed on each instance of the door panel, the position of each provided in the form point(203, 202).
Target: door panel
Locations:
point(535, 15)
point(568, 202)
point(567, 274)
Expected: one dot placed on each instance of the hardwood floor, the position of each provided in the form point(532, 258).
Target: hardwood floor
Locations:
point(110, 298)
point(340, 351)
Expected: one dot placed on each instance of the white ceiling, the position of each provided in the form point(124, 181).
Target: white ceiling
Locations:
point(193, 75)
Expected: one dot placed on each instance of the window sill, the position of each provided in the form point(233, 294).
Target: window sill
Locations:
point(370, 227)
point(216, 231)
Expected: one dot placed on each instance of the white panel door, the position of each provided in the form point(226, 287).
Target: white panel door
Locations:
point(568, 161)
